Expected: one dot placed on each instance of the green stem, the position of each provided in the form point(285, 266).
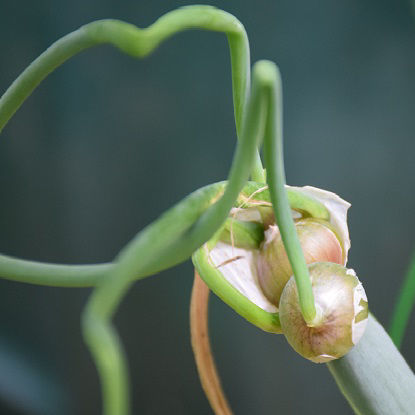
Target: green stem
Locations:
point(175, 235)
point(140, 43)
point(146, 251)
point(57, 275)
point(39, 69)
point(274, 160)
point(170, 240)
point(403, 306)
point(179, 219)
point(258, 172)
point(244, 158)
point(137, 260)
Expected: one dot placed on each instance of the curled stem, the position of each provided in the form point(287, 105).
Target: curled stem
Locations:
point(270, 78)
point(205, 362)
point(140, 43)
point(56, 275)
point(184, 228)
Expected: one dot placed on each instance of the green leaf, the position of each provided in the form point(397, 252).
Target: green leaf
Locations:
point(374, 377)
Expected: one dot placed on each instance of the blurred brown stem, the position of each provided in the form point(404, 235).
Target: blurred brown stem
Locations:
point(201, 348)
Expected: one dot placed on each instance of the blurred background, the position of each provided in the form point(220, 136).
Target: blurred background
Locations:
point(107, 143)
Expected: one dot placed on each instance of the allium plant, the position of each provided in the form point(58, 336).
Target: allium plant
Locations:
point(276, 254)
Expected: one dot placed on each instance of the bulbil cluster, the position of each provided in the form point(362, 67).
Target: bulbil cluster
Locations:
point(340, 299)
point(263, 274)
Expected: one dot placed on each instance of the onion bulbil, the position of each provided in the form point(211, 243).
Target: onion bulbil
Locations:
point(342, 312)
point(319, 243)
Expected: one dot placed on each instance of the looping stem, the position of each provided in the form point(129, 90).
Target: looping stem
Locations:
point(188, 225)
point(140, 43)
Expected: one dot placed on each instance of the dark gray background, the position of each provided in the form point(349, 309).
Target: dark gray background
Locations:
point(107, 143)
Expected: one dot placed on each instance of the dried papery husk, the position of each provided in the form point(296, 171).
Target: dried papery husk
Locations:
point(342, 310)
point(205, 362)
